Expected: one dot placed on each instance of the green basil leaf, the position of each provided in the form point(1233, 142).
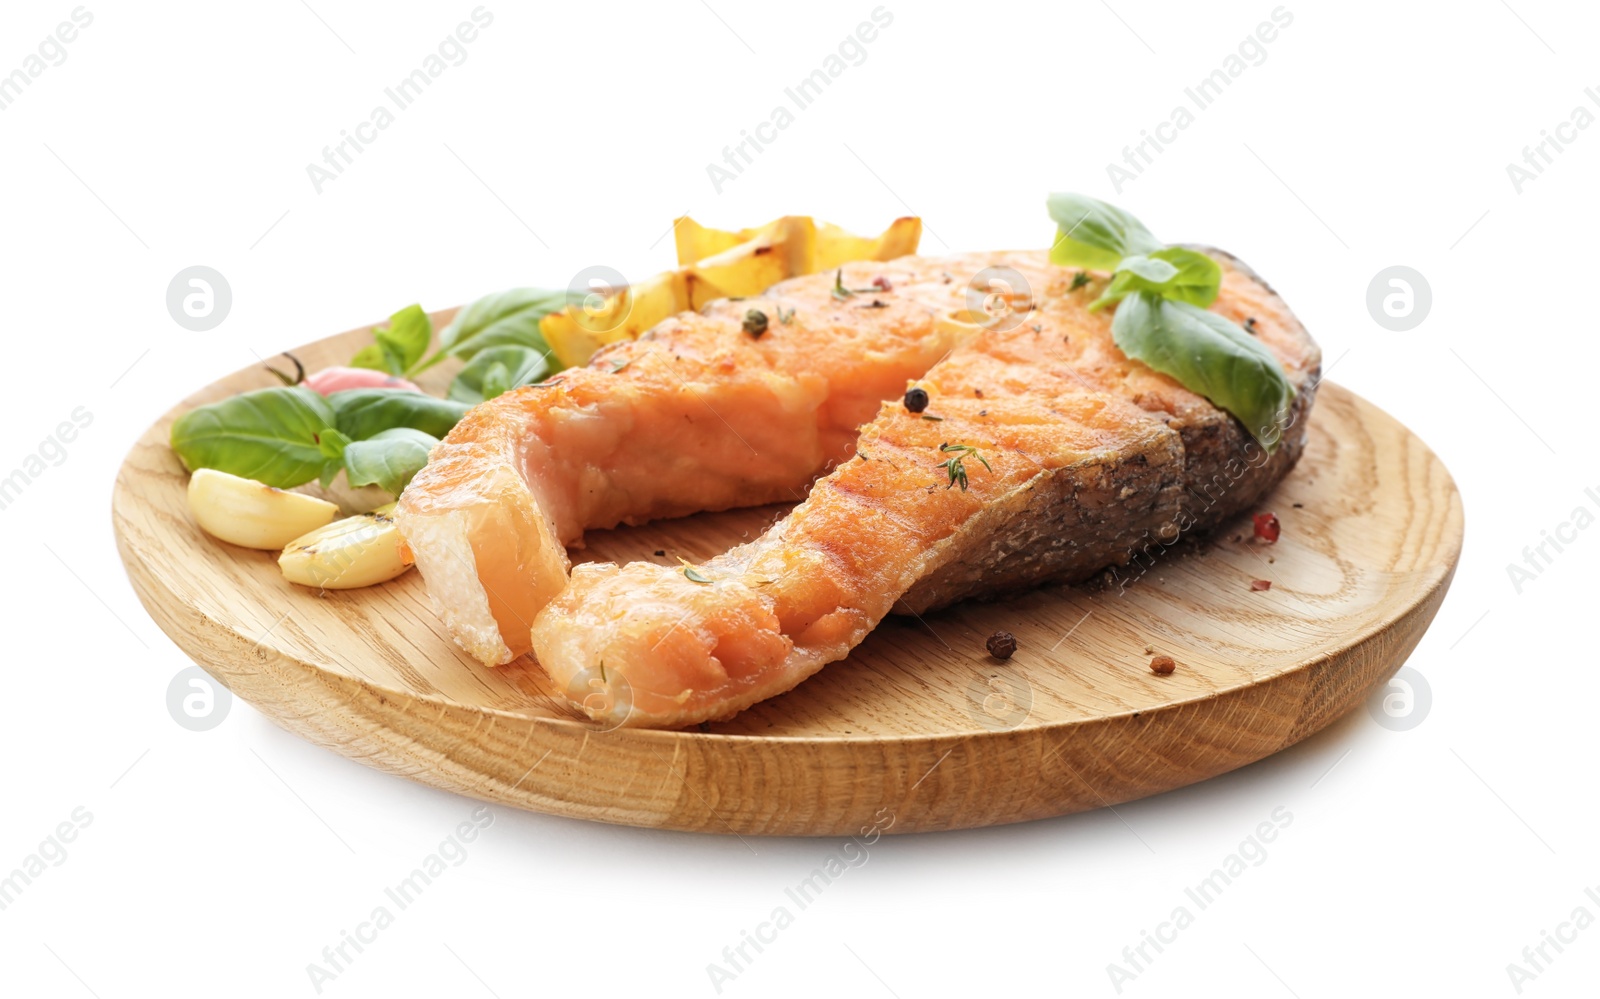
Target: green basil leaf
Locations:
point(1093, 234)
point(1175, 273)
point(1150, 269)
point(332, 443)
point(1209, 356)
point(1198, 278)
point(389, 459)
point(506, 318)
point(1069, 252)
point(371, 356)
point(330, 471)
point(270, 435)
point(405, 340)
point(496, 380)
point(496, 370)
point(363, 413)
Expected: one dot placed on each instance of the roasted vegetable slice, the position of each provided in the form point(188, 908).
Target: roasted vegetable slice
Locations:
point(718, 263)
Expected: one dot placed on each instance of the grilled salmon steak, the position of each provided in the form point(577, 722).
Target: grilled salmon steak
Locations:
point(700, 413)
point(1045, 454)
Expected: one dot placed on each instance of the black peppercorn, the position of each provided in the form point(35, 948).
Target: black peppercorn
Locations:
point(755, 322)
point(916, 400)
point(1001, 644)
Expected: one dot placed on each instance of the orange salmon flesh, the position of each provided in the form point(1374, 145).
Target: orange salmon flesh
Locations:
point(696, 415)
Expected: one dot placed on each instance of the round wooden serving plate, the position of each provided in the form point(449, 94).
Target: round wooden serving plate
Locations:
point(919, 723)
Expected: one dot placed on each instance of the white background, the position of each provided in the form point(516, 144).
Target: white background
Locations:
point(1374, 134)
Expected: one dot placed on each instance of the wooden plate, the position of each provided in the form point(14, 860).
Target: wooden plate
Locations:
point(919, 723)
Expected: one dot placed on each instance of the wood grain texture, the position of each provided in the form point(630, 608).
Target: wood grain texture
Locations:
point(919, 722)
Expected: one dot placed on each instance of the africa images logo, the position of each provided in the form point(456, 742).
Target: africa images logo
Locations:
point(452, 51)
point(1536, 558)
point(802, 95)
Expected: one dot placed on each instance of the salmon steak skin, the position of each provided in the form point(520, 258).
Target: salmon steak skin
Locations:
point(698, 414)
point(1072, 458)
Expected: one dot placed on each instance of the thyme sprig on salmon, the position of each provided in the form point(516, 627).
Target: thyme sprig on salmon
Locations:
point(843, 294)
point(955, 465)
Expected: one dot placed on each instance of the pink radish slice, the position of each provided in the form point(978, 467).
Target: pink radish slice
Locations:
point(340, 379)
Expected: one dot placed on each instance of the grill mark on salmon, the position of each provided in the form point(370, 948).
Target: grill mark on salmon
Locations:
point(1093, 459)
